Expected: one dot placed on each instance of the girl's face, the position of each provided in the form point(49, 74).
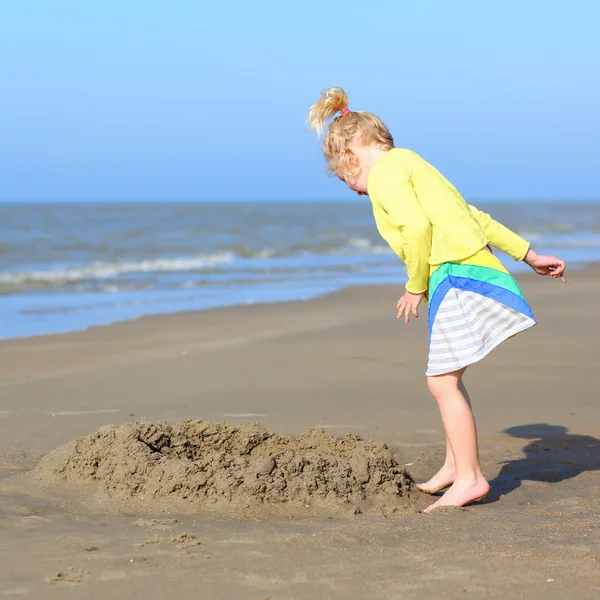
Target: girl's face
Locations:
point(357, 183)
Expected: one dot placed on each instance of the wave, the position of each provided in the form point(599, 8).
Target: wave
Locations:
point(107, 270)
point(59, 275)
point(246, 259)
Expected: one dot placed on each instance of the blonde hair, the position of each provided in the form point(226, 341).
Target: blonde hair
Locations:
point(350, 127)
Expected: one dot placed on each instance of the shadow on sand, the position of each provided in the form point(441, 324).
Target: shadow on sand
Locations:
point(552, 455)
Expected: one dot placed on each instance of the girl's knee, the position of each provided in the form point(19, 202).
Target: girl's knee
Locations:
point(440, 385)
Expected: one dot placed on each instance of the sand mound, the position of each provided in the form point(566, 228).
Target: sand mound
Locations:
point(221, 467)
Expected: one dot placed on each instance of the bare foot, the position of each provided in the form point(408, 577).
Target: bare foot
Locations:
point(442, 479)
point(462, 493)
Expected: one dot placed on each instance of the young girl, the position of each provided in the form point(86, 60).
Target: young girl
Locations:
point(474, 303)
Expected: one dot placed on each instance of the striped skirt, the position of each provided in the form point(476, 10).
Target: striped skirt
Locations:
point(472, 309)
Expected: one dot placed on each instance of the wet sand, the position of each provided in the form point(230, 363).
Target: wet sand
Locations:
point(343, 363)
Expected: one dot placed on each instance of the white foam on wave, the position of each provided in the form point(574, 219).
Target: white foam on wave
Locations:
point(105, 270)
point(359, 243)
point(364, 246)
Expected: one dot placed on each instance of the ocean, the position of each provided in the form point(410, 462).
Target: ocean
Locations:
point(69, 267)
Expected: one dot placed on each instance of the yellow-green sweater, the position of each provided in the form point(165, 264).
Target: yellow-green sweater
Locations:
point(426, 221)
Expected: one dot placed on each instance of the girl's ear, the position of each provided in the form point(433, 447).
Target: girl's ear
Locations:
point(349, 160)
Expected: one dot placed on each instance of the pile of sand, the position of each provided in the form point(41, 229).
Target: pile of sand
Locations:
point(219, 466)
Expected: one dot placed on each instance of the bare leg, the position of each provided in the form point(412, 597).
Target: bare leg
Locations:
point(461, 433)
point(445, 476)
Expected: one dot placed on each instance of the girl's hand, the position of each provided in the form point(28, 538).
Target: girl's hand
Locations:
point(408, 304)
point(545, 265)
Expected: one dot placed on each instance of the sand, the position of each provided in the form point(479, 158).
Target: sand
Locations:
point(198, 465)
point(343, 364)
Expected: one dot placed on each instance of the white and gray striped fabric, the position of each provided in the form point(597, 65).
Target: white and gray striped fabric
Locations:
point(467, 327)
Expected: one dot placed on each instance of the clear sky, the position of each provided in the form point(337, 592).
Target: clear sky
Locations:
point(197, 100)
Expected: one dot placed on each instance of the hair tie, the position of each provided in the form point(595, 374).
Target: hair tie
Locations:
point(345, 111)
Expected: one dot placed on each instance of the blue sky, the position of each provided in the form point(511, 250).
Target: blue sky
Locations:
point(195, 100)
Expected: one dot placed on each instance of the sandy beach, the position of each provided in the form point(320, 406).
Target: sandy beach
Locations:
point(343, 363)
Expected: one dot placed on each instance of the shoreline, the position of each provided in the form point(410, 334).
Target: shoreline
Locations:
point(183, 333)
point(519, 275)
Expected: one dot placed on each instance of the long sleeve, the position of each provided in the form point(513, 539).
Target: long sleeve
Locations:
point(500, 236)
point(402, 222)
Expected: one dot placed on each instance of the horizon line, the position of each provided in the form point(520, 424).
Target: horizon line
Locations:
point(12, 202)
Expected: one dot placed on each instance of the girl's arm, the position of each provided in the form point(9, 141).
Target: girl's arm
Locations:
point(501, 237)
point(402, 222)
point(514, 245)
